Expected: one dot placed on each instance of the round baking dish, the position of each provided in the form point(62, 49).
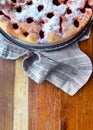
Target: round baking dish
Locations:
point(59, 45)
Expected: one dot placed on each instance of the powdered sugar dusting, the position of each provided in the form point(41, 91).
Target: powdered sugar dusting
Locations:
point(2, 1)
point(76, 4)
point(51, 24)
point(33, 10)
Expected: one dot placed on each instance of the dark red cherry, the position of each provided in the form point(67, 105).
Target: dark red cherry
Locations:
point(25, 34)
point(50, 15)
point(29, 2)
point(56, 2)
point(76, 23)
point(13, 1)
point(87, 5)
point(65, 1)
point(40, 8)
point(60, 24)
point(18, 9)
point(1, 13)
point(41, 34)
point(29, 20)
point(69, 11)
point(41, 22)
point(7, 16)
point(15, 26)
point(82, 10)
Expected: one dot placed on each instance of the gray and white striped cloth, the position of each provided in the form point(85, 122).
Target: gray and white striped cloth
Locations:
point(68, 68)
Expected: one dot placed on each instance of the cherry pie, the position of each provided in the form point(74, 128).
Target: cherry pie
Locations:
point(44, 21)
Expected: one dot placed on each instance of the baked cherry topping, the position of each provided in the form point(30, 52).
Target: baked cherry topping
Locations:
point(82, 10)
point(69, 11)
point(1, 13)
point(56, 2)
point(29, 20)
point(15, 26)
point(25, 34)
point(60, 25)
point(7, 16)
point(76, 23)
point(13, 1)
point(41, 34)
point(87, 5)
point(29, 3)
point(40, 8)
point(41, 22)
point(18, 9)
point(50, 15)
point(92, 8)
point(65, 1)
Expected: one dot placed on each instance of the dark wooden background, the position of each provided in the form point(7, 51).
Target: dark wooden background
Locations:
point(24, 105)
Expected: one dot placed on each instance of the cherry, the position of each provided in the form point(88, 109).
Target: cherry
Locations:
point(50, 15)
point(65, 1)
point(41, 22)
point(92, 8)
point(76, 23)
point(29, 20)
point(15, 26)
point(87, 5)
point(69, 11)
point(40, 8)
point(41, 33)
point(18, 9)
point(82, 10)
point(13, 1)
point(60, 24)
point(7, 16)
point(1, 13)
point(29, 3)
point(25, 34)
point(55, 2)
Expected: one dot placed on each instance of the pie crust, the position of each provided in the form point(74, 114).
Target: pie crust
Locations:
point(44, 21)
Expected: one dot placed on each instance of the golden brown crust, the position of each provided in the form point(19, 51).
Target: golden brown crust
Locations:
point(83, 19)
point(19, 33)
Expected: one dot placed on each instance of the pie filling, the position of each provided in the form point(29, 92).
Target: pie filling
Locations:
point(49, 16)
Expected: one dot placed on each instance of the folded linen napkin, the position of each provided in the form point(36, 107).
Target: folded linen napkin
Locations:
point(68, 68)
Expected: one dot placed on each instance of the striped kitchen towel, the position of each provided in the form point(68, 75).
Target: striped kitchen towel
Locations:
point(68, 68)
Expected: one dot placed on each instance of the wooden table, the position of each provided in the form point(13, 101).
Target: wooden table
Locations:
point(24, 105)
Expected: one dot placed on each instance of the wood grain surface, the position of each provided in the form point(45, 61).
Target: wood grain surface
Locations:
point(24, 105)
